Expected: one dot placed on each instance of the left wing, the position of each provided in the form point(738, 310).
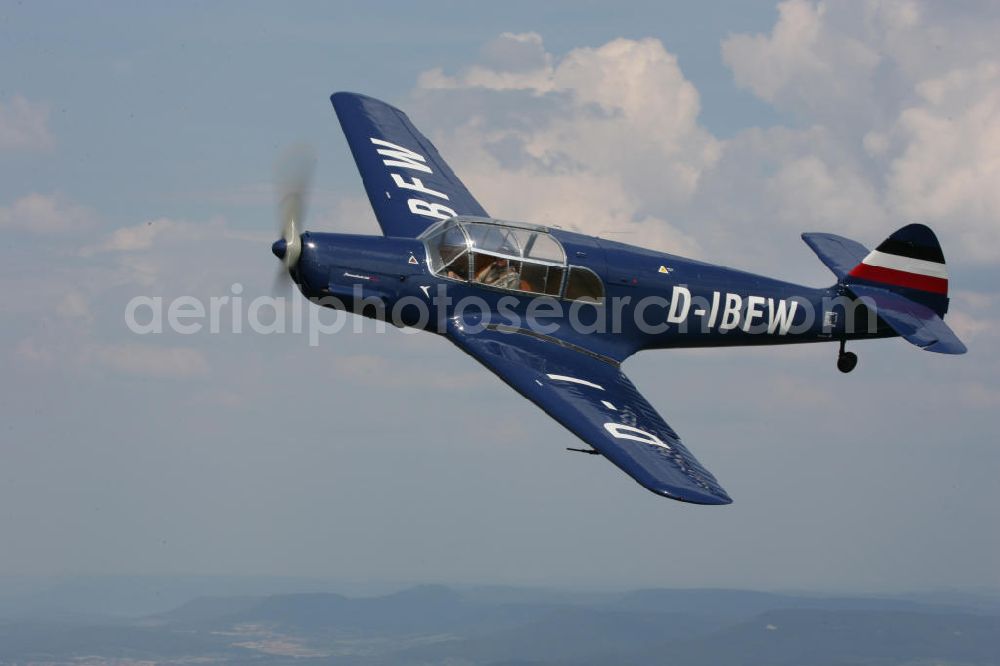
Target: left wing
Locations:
point(589, 395)
point(408, 183)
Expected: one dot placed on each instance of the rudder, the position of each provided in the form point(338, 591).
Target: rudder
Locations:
point(909, 263)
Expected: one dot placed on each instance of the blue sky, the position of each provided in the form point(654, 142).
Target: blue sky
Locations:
point(137, 144)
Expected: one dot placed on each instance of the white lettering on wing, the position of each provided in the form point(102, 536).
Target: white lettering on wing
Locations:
point(417, 185)
point(574, 380)
point(622, 431)
point(402, 157)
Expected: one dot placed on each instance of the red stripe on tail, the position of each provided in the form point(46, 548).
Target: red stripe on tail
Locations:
point(900, 278)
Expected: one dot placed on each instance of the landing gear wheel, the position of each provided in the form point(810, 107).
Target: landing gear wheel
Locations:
point(847, 361)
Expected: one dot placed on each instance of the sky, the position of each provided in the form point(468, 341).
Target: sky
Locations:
point(137, 148)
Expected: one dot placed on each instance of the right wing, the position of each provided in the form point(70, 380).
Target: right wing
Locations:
point(408, 183)
point(590, 396)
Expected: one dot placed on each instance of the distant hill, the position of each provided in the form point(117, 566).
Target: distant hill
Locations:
point(837, 638)
point(516, 627)
point(573, 634)
point(733, 604)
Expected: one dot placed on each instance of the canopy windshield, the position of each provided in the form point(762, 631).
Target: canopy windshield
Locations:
point(502, 255)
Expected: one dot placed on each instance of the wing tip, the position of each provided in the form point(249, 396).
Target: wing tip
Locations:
point(341, 97)
point(707, 498)
point(954, 347)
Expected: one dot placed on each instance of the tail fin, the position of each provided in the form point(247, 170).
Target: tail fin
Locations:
point(909, 263)
point(905, 279)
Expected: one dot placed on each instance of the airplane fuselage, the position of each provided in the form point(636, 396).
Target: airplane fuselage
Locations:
point(652, 300)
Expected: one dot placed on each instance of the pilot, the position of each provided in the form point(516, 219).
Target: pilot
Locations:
point(499, 273)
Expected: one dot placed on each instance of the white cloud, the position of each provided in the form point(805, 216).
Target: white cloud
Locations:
point(949, 168)
point(181, 254)
point(898, 121)
point(138, 237)
point(856, 62)
point(975, 317)
point(805, 64)
point(162, 231)
point(45, 214)
point(911, 90)
point(32, 351)
point(129, 358)
point(74, 304)
point(511, 62)
point(146, 360)
point(512, 52)
point(594, 141)
point(769, 185)
point(24, 125)
point(809, 190)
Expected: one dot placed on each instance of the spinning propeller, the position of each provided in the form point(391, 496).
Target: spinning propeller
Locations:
point(293, 177)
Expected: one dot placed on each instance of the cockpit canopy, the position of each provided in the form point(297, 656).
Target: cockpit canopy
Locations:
point(504, 255)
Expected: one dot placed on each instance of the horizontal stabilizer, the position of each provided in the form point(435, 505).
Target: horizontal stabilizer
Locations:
point(915, 322)
point(838, 253)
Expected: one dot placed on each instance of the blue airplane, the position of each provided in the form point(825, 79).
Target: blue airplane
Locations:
point(554, 313)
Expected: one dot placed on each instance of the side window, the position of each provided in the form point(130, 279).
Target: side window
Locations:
point(554, 280)
point(541, 279)
point(493, 238)
point(449, 253)
point(584, 285)
point(545, 248)
point(499, 272)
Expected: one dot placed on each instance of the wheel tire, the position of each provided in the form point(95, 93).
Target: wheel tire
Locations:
point(847, 362)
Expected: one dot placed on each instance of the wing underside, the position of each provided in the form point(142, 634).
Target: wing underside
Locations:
point(589, 395)
point(408, 183)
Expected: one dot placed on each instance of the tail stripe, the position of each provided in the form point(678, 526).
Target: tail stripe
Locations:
point(899, 278)
point(911, 259)
point(906, 264)
point(908, 248)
